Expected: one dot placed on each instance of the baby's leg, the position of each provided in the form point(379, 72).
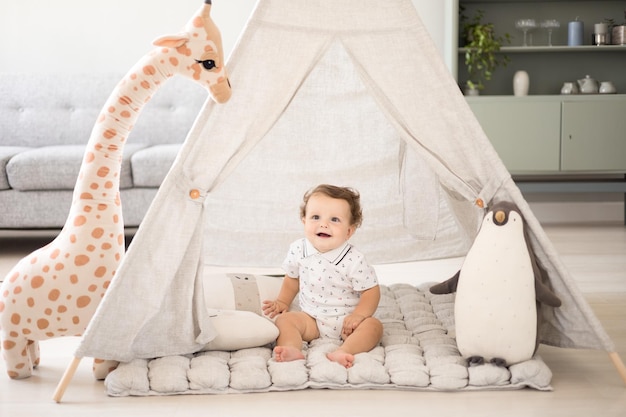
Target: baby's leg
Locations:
point(294, 328)
point(363, 339)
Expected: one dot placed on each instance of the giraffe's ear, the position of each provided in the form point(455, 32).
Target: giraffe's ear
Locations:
point(172, 41)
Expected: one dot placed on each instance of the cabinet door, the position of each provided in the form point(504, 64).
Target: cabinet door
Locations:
point(594, 136)
point(525, 133)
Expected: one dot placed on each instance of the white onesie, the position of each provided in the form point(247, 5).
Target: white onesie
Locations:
point(330, 283)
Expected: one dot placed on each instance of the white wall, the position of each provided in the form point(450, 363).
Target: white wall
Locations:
point(110, 36)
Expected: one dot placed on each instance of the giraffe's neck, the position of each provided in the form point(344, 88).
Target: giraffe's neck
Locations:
point(99, 176)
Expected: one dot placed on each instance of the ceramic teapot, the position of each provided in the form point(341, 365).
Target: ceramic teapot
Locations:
point(588, 85)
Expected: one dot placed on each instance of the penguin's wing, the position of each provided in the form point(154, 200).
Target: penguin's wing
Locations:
point(446, 287)
point(543, 293)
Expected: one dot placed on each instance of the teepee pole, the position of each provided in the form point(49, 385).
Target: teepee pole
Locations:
point(67, 377)
point(617, 361)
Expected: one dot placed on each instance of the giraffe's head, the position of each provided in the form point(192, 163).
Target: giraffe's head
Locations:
point(197, 53)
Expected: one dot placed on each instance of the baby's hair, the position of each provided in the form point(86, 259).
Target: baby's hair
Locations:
point(348, 194)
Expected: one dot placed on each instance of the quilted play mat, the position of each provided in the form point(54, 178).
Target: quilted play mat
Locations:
point(418, 352)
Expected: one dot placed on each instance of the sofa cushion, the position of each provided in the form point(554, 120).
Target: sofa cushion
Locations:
point(57, 167)
point(6, 153)
point(151, 165)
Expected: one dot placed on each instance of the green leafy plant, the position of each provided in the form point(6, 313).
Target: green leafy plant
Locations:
point(481, 49)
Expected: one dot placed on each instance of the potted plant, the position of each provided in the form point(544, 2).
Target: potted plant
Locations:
point(618, 32)
point(481, 50)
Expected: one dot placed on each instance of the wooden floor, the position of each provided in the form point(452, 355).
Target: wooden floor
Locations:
point(585, 382)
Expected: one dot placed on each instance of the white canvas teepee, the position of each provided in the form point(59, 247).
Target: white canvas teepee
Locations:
point(351, 92)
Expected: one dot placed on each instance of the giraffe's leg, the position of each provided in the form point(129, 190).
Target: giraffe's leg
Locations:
point(17, 357)
point(102, 367)
point(33, 350)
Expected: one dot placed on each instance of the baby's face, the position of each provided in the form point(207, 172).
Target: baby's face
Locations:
point(327, 222)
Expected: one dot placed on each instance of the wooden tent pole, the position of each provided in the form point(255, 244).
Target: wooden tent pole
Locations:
point(67, 377)
point(617, 361)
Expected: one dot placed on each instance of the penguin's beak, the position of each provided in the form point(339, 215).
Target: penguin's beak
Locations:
point(499, 217)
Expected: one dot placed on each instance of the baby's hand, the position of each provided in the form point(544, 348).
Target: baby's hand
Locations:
point(273, 308)
point(351, 322)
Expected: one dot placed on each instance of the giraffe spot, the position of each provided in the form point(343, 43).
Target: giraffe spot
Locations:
point(26, 332)
point(102, 206)
point(103, 172)
point(106, 285)
point(108, 185)
point(37, 281)
point(33, 261)
point(8, 344)
point(59, 267)
point(80, 220)
point(61, 309)
point(92, 288)
point(94, 185)
point(174, 61)
point(73, 238)
point(97, 233)
point(116, 219)
point(106, 246)
point(89, 157)
point(75, 319)
point(149, 70)
point(50, 334)
point(46, 268)
point(87, 209)
point(145, 85)
point(15, 319)
point(198, 22)
point(1, 306)
point(100, 271)
point(81, 260)
point(113, 148)
point(42, 324)
point(55, 253)
point(83, 301)
point(17, 290)
point(30, 301)
point(126, 114)
point(109, 134)
point(54, 295)
point(48, 311)
point(15, 275)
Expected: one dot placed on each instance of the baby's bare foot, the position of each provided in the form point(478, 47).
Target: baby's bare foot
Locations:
point(342, 358)
point(287, 354)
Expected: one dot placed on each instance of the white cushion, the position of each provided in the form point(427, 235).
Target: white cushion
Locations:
point(240, 330)
point(236, 300)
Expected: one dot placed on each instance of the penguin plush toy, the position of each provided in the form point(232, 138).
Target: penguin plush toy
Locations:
point(498, 292)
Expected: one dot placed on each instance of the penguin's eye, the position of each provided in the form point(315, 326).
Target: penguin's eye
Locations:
point(208, 64)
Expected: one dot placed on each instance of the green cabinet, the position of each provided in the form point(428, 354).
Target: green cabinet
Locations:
point(593, 136)
point(525, 133)
point(556, 134)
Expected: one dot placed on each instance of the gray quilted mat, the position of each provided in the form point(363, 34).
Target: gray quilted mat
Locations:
point(417, 352)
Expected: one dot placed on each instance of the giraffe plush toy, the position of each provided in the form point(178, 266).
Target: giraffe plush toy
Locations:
point(55, 290)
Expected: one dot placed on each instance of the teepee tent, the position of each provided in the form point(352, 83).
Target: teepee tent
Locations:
point(351, 92)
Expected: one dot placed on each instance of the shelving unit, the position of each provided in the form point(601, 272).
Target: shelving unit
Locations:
point(549, 67)
point(548, 141)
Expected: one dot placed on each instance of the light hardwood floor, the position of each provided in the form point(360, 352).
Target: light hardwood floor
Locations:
point(585, 382)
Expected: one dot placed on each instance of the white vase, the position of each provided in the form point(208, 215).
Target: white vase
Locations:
point(521, 83)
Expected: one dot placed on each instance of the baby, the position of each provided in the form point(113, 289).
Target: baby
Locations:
point(338, 290)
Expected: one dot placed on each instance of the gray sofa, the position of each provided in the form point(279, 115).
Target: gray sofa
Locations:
point(45, 123)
